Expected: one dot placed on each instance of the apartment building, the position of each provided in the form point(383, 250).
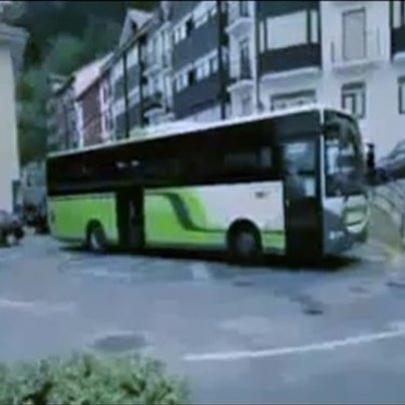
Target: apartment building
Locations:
point(347, 54)
point(200, 60)
point(209, 60)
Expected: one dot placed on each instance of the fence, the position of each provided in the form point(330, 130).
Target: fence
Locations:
point(390, 196)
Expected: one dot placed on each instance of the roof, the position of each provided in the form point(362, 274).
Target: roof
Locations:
point(166, 130)
point(134, 20)
point(88, 75)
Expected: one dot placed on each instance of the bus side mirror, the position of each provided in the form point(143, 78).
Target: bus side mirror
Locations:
point(331, 127)
point(370, 161)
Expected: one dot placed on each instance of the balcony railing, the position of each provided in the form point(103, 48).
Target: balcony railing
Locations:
point(369, 52)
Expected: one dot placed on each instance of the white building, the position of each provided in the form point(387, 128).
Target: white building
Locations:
point(12, 43)
point(346, 54)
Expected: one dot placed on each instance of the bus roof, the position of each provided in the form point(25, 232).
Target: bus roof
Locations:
point(177, 128)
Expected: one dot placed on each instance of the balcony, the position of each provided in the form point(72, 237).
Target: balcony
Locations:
point(153, 101)
point(240, 75)
point(297, 60)
point(366, 57)
point(240, 18)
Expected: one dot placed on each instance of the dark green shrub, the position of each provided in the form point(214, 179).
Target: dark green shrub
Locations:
point(87, 379)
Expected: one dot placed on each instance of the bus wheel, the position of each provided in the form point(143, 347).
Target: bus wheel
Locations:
point(244, 242)
point(96, 240)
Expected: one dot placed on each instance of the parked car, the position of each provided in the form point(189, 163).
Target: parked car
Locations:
point(11, 229)
point(34, 212)
point(392, 166)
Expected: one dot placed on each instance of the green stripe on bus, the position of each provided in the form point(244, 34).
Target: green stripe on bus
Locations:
point(69, 216)
point(178, 217)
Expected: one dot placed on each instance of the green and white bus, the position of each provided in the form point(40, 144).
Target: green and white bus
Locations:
point(287, 182)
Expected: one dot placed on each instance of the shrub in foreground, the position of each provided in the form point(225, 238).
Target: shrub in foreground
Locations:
point(88, 379)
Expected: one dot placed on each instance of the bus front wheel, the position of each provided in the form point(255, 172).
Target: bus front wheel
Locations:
point(96, 240)
point(244, 242)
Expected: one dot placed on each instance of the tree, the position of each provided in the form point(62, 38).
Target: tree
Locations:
point(64, 54)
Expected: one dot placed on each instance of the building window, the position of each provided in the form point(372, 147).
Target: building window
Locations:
point(314, 26)
point(354, 34)
point(189, 26)
point(288, 100)
point(180, 33)
point(246, 104)
point(213, 61)
point(354, 99)
point(244, 8)
point(401, 95)
point(262, 44)
point(244, 59)
point(287, 30)
point(398, 13)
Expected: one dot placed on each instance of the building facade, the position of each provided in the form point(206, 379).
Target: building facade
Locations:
point(12, 43)
point(210, 60)
point(62, 114)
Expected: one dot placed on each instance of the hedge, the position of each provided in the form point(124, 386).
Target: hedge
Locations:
point(89, 379)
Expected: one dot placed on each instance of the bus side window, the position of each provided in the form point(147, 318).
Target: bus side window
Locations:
point(265, 158)
point(241, 162)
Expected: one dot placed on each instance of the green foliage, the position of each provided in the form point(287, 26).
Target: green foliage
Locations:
point(86, 379)
point(64, 54)
point(63, 35)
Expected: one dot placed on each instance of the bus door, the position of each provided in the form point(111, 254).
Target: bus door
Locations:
point(301, 198)
point(131, 217)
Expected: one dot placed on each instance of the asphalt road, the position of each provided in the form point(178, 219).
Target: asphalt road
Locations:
point(269, 332)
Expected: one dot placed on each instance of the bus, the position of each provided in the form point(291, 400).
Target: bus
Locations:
point(289, 182)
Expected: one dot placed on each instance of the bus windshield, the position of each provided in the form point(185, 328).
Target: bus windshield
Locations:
point(344, 168)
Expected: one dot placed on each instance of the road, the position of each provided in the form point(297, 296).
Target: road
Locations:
point(263, 333)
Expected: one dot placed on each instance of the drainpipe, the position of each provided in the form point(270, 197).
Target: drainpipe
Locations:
point(221, 67)
point(256, 58)
point(140, 82)
point(126, 97)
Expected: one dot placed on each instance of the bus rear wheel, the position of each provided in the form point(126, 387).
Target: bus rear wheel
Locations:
point(96, 240)
point(244, 243)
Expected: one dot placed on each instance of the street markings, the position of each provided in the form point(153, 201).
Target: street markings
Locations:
point(37, 307)
point(290, 350)
point(200, 272)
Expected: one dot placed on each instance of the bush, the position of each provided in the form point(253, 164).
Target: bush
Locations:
point(87, 379)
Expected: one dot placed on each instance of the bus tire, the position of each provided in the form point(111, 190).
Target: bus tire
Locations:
point(244, 242)
point(96, 239)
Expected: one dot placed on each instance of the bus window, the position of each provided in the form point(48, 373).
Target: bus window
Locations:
point(254, 161)
point(343, 158)
point(299, 169)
